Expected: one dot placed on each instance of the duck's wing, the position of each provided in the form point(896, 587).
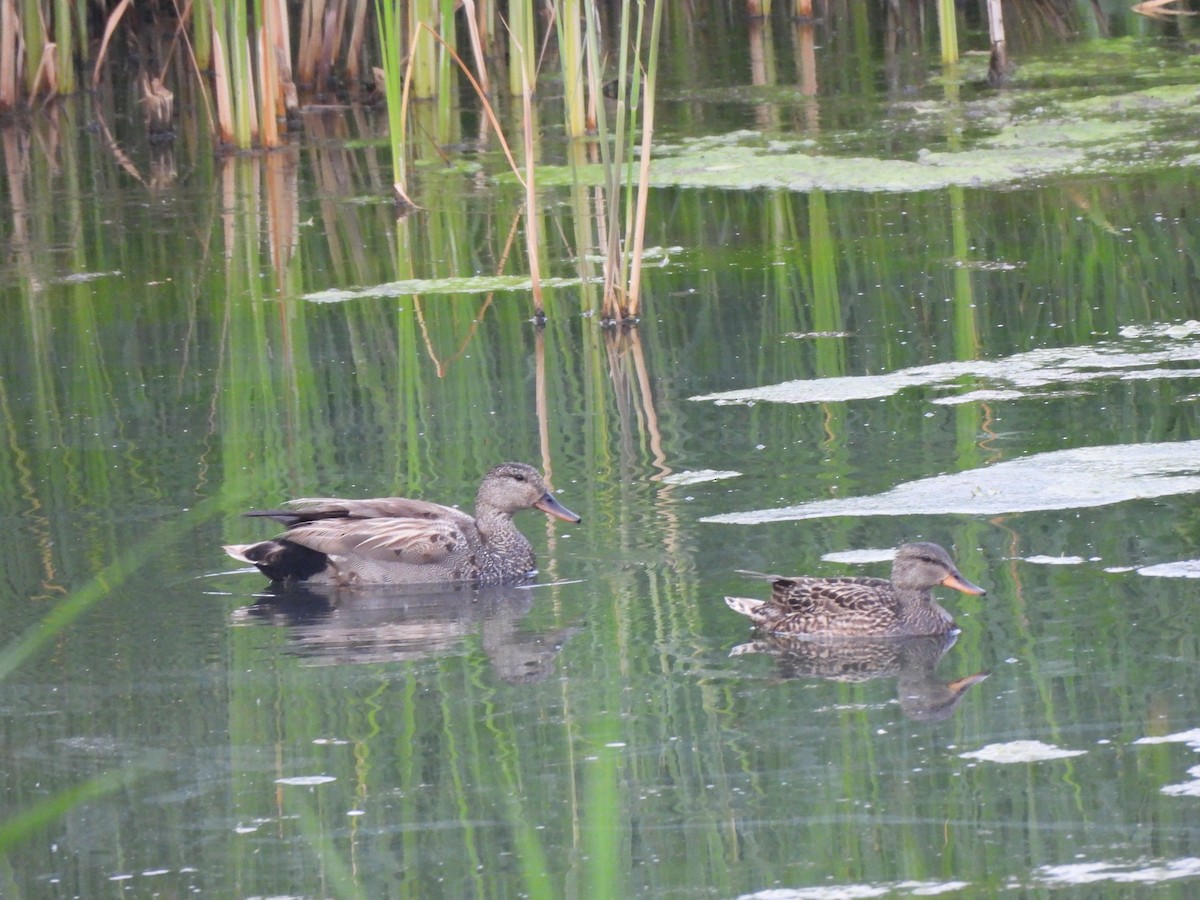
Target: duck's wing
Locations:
point(808, 596)
point(312, 509)
point(410, 540)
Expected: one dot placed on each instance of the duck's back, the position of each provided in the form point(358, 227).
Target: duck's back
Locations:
point(810, 596)
point(312, 509)
point(847, 607)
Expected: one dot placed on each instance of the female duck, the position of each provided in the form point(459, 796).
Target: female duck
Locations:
point(862, 607)
point(394, 540)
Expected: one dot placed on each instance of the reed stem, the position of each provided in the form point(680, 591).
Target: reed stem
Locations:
point(948, 30)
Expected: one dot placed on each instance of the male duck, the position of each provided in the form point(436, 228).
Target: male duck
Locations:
point(394, 540)
point(862, 607)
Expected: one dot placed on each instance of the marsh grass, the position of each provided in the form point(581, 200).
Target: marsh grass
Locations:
point(254, 86)
point(624, 145)
point(394, 82)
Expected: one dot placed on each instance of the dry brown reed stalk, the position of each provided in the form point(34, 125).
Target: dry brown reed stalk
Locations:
point(802, 9)
point(358, 37)
point(110, 25)
point(394, 87)
point(485, 23)
point(643, 192)
point(403, 202)
point(10, 54)
point(286, 102)
point(331, 39)
point(184, 16)
point(484, 101)
point(158, 104)
point(531, 210)
point(1157, 9)
point(10, 43)
point(622, 296)
point(221, 91)
point(268, 82)
point(45, 79)
point(312, 15)
point(252, 81)
point(476, 40)
point(277, 92)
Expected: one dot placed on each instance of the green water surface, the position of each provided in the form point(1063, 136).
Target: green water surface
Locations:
point(1008, 366)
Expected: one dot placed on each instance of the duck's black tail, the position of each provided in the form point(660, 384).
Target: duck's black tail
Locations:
point(281, 560)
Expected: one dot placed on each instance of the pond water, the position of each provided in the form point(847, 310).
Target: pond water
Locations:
point(1008, 369)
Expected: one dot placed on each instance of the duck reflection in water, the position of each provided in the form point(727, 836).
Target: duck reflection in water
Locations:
point(333, 627)
point(912, 661)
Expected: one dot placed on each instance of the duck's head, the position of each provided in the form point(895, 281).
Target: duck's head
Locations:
point(511, 487)
point(920, 566)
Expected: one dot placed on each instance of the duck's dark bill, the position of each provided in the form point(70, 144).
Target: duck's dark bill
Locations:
point(552, 507)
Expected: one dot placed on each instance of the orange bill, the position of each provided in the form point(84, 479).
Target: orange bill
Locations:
point(956, 581)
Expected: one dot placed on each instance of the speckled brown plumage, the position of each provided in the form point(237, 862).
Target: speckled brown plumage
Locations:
point(395, 540)
point(866, 607)
point(912, 661)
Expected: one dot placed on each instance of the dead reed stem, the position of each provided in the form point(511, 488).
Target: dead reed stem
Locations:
point(531, 211)
point(221, 92)
point(486, 103)
point(268, 81)
point(639, 220)
point(110, 25)
point(475, 39)
point(10, 41)
point(358, 35)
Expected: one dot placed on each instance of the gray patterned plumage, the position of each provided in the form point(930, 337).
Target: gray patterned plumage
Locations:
point(395, 540)
point(866, 607)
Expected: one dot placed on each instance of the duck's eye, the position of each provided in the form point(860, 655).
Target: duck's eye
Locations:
point(518, 476)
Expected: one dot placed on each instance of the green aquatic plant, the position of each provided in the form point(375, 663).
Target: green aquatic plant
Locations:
point(625, 151)
point(948, 30)
point(395, 90)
